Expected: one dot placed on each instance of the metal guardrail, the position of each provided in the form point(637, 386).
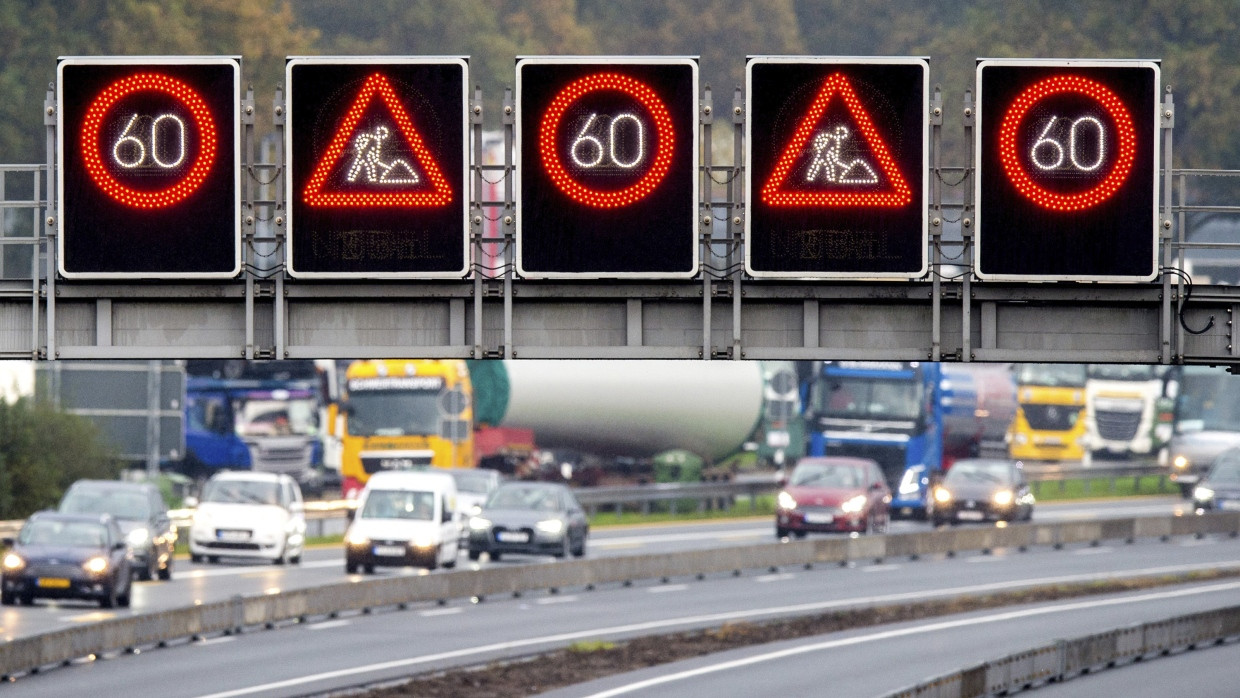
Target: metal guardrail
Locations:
point(1065, 659)
point(240, 613)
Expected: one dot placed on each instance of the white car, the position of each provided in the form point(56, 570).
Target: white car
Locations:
point(249, 515)
point(403, 519)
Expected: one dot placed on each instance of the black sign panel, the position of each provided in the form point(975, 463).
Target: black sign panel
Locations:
point(378, 167)
point(1067, 158)
point(837, 155)
point(607, 175)
point(149, 167)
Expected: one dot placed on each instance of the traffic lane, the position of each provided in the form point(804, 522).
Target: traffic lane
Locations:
point(876, 661)
point(330, 653)
point(203, 583)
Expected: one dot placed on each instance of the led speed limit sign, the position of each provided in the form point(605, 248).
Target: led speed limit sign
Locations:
point(607, 167)
point(1067, 158)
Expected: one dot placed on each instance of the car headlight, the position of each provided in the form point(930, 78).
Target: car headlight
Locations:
point(422, 542)
point(854, 505)
point(1203, 494)
point(1180, 462)
point(1003, 498)
point(550, 526)
point(13, 562)
point(942, 495)
point(477, 523)
point(96, 565)
point(1021, 439)
point(356, 538)
point(137, 537)
point(786, 501)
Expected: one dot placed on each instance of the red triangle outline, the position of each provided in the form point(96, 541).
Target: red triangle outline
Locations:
point(899, 193)
point(377, 85)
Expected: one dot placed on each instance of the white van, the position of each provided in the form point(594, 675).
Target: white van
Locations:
point(404, 518)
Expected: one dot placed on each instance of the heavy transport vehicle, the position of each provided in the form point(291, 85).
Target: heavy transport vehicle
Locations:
point(1050, 420)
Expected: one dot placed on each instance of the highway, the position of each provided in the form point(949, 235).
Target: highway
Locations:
point(354, 649)
point(204, 582)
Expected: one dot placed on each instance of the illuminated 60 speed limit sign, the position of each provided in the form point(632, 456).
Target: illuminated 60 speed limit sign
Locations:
point(1067, 159)
point(149, 151)
point(606, 167)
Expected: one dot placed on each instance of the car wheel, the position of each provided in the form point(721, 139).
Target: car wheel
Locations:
point(122, 600)
point(27, 599)
point(368, 569)
point(195, 558)
point(474, 555)
point(147, 573)
point(800, 534)
point(449, 564)
point(213, 559)
point(165, 572)
point(350, 568)
point(780, 533)
point(433, 564)
point(564, 550)
point(295, 559)
point(495, 556)
point(108, 600)
point(580, 550)
point(7, 598)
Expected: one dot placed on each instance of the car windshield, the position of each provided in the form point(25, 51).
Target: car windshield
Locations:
point(399, 504)
point(71, 534)
point(241, 492)
point(474, 481)
point(973, 471)
point(1226, 471)
point(529, 498)
point(123, 504)
point(1051, 375)
point(823, 475)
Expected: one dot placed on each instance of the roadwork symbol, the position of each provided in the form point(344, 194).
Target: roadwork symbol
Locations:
point(380, 180)
point(831, 178)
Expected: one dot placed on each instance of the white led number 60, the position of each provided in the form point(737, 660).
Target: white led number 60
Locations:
point(1049, 146)
point(130, 152)
point(585, 145)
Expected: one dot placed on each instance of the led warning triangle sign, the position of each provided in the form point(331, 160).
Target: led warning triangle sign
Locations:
point(376, 173)
point(833, 178)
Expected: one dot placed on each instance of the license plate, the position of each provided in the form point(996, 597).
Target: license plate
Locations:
point(512, 537)
point(819, 518)
point(53, 583)
point(969, 515)
point(232, 536)
point(389, 550)
point(1230, 504)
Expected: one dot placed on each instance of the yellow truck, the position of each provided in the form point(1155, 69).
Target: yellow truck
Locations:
point(1050, 421)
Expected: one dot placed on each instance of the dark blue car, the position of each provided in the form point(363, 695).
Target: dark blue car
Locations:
point(67, 556)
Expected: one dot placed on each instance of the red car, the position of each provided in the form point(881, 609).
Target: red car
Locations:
point(833, 494)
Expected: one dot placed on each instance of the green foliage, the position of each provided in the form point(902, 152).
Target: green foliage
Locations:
point(42, 452)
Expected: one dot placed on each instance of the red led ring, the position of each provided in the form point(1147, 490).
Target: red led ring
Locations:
point(1008, 150)
point(183, 93)
point(550, 127)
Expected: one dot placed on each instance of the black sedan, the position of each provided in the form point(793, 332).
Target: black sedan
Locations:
point(1220, 489)
point(538, 518)
point(67, 556)
point(982, 489)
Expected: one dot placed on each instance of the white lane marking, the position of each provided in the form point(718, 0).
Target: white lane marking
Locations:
point(327, 624)
point(986, 558)
point(1197, 542)
point(904, 632)
point(92, 617)
point(1103, 550)
point(666, 623)
point(550, 600)
point(783, 577)
point(251, 569)
point(440, 612)
point(880, 568)
point(668, 587)
point(215, 640)
point(629, 541)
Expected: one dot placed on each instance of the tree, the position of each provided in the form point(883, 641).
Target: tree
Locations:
point(42, 452)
